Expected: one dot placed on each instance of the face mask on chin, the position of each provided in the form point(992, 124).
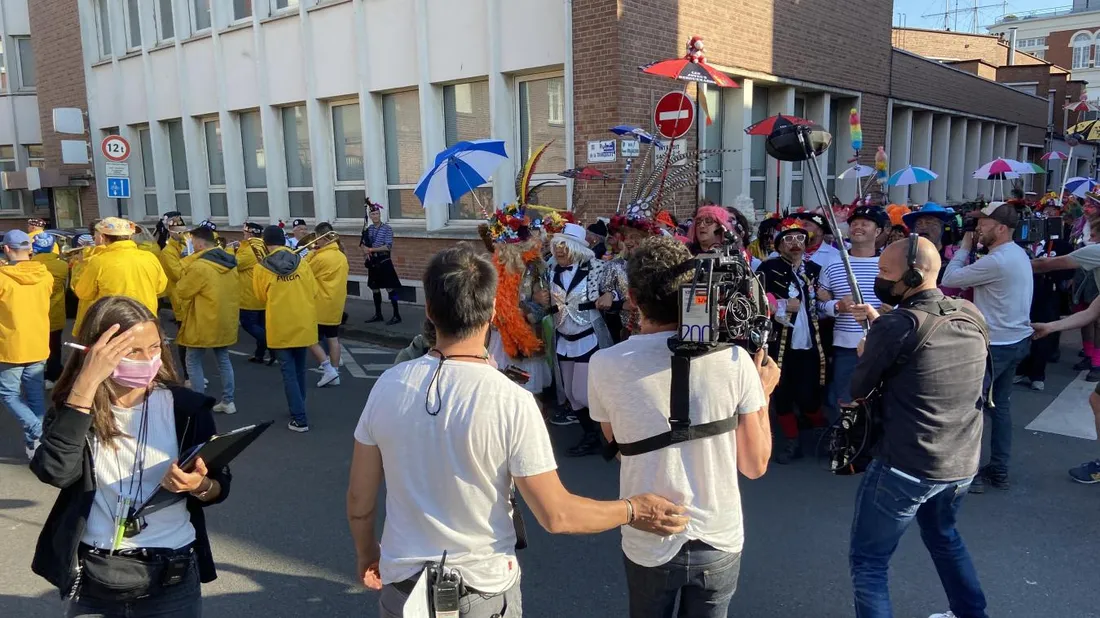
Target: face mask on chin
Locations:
point(884, 291)
point(136, 373)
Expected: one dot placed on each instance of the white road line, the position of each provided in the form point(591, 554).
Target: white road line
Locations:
point(349, 361)
point(1069, 414)
point(238, 353)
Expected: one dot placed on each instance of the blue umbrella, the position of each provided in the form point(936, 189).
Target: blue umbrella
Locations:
point(459, 169)
point(910, 175)
point(626, 129)
point(1079, 186)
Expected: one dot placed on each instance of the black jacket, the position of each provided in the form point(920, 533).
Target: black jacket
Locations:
point(65, 461)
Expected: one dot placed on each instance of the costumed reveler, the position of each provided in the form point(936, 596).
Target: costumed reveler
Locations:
point(630, 230)
point(377, 243)
point(791, 285)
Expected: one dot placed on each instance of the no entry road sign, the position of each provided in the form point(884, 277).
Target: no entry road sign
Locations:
point(674, 114)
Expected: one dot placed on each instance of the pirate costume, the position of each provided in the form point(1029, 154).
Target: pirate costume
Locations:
point(380, 271)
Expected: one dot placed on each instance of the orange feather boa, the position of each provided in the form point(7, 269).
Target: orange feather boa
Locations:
point(517, 336)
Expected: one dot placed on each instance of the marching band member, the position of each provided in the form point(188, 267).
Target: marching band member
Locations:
point(288, 290)
point(38, 226)
point(44, 246)
point(170, 235)
point(330, 269)
point(377, 241)
point(209, 293)
point(120, 269)
point(24, 335)
point(248, 254)
point(298, 231)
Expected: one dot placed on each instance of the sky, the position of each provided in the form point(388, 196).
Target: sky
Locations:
point(914, 9)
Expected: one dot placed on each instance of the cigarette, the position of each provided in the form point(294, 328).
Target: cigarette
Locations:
point(76, 346)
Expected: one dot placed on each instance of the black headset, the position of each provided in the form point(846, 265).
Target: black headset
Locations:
point(912, 278)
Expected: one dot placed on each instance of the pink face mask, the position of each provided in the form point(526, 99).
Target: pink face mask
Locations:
point(136, 373)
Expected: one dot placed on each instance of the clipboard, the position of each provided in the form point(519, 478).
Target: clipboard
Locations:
point(216, 452)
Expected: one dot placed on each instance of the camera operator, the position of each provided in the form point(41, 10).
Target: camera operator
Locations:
point(630, 392)
point(1087, 259)
point(1004, 298)
point(927, 359)
point(451, 415)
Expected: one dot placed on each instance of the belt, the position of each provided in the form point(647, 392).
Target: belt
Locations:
point(406, 587)
point(144, 554)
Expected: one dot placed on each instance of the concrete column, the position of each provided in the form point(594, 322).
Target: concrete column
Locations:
point(985, 155)
point(900, 140)
point(432, 133)
point(737, 114)
point(780, 101)
point(940, 158)
point(956, 160)
point(317, 117)
point(501, 110)
point(1012, 143)
point(999, 149)
point(819, 107)
point(921, 153)
point(370, 115)
point(973, 144)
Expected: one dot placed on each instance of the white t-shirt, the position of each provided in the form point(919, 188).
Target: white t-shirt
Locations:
point(449, 476)
point(629, 386)
point(169, 527)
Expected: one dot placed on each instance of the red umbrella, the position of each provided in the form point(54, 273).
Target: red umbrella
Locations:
point(691, 68)
point(768, 125)
point(1082, 105)
point(584, 173)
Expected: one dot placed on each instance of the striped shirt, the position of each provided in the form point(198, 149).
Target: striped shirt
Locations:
point(376, 236)
point(848, 332)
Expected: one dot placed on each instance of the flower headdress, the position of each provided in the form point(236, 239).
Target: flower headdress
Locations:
point(646, 226)
point(789, 225)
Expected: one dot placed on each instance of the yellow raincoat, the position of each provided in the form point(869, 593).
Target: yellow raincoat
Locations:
point(60, 271)
point(25, 312)
point(209, 294)
point(173, 269)
point(246, 264)
point(77, 264)
point(330, 268)
point(119, 269)
point(288, 290)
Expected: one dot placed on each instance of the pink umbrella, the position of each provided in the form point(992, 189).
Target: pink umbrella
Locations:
point(1082, 105)
point(1054, 156)
point(999, 166)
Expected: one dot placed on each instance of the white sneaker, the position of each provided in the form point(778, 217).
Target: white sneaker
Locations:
point(226, 407)
point(30, 450)
point(1020, 380)
point(945, 615)
point(1038, 385)
point(331, 377)
point(205, 383)
point(49, 385)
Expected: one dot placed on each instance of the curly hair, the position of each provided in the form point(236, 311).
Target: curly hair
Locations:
point(653, 284)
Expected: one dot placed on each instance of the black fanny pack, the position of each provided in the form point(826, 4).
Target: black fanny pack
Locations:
point(132, 574)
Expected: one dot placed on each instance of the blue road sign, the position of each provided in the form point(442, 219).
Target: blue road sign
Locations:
point(118, 187)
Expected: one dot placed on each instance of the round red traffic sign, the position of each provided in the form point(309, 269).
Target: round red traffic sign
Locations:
point(674, 114)
point(115, 148)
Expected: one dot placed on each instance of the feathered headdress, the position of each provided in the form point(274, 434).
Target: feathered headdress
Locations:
point(789, 225)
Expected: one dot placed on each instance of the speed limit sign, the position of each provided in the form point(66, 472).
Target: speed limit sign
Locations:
point(115, 148)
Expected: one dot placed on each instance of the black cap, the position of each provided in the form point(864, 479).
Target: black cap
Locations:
point(599, 228)
point(274, 236)
point(254, 228)
point(817, 218)
point(870, 213)
point(297, 222)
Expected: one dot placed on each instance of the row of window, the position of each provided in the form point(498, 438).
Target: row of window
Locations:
point(22, 201)
point(1024, 44)
point(21, 60)
point(466, 117)
point(1083, 43)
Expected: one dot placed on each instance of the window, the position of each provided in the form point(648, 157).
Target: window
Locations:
point(712, 166)
point(758, 157)
point(27, 77)
point(255, 164)
point(347, 141)
point(3, 70)
point(299, 167)
point(283, 5)
point(103, 20)
point(133, 24)
point(165, 20)
point(541, 119)
point(1082, 46)
point(1041, 54)
point(466, 117)
point(401, 117)
point(36, 155)
point(215, 167)
point(242, 9)
point(180, 182)
point(200, 15)
point(145, 144)
point(8, 199)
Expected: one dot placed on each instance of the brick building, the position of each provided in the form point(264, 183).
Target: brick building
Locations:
point(1064, 36)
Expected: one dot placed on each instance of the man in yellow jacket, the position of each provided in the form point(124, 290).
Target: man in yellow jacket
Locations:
point(171, 260)
point(118, 269)
point(285, 284)
point(252, 309)
point(43, 246)
point(330, 269)
point(209, 293)
point(25, 288)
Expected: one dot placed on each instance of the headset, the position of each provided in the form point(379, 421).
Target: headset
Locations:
point(912, 278)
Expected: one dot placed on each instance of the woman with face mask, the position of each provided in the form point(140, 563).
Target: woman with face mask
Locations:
point(119, 423)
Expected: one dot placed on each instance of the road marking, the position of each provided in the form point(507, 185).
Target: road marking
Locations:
point(238, 353)
point(1069, 414)
point(349, 361)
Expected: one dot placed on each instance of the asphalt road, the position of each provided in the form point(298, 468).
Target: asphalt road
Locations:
point(283, 549)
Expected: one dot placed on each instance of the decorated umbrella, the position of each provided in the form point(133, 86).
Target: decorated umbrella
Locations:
point(857, 171)
point(459, 169)
point(911, 175)
point(1082, 105)
point(584, 173)
point(1079, 186)
point(1087, 131)
point(1000, 166)
point(625, 129)
point(995, 175)
point(768, 125)
point(1054, 155)
point(1035, 168)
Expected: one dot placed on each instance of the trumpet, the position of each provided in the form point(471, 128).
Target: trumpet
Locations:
point(302, 246)
point(73, 253)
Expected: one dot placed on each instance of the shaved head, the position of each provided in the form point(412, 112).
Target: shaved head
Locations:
point(894, 261)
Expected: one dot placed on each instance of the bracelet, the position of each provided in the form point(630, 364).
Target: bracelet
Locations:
point(629, 512)
point(87, 408)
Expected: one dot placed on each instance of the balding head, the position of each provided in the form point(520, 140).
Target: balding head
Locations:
point(894, 261)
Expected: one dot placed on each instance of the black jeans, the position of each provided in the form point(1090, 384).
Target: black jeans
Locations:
point(53, 363)
point(184, 600)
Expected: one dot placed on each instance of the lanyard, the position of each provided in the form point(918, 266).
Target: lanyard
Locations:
point(125, 504)
point(443, 358)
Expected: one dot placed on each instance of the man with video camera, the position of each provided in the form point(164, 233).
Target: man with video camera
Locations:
point(629, 392)
point(925, 361)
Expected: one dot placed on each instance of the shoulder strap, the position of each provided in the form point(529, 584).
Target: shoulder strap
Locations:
point(942, 312)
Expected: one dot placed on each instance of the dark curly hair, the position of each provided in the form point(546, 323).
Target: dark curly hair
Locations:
point(655, 287)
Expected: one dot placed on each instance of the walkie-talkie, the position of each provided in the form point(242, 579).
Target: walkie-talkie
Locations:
point(446, 590)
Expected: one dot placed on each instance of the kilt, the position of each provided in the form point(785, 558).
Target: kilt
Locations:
point(381, 273)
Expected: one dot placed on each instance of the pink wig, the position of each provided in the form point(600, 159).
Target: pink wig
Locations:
point(719, 214)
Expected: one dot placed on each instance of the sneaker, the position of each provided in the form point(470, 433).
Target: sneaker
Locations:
point(562, 418)
point(993, 479)
point(1038, 385)
point(1083, 364)
point(1021, 380)
point(589, 445)
point(977, 486)
point(791, 451)
point(1087, 473)
point(256, 359)
point(205, 383)
point(944, 615)
point(49, 385)
point(226, 407)
point(1093, 375)
point(331, 377)
point(30, 450)
point(294, 425)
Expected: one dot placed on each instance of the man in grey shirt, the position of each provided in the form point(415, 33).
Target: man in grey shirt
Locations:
point(1002, 292)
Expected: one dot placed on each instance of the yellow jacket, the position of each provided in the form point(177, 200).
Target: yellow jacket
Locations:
point(209, 294)
point(330, 268)
point(77, 264)
point(60, 272)
point(25, 312)
point(173, 269)
point(246, 264)
point(120, 269)
point(287, 288)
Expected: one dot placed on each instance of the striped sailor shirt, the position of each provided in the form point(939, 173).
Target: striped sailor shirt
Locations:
point(847, 332)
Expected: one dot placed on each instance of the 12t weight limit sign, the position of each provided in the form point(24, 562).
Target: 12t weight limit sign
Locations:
point(115, 148)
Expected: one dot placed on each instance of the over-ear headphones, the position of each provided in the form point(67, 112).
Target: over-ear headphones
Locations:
point(912, 277)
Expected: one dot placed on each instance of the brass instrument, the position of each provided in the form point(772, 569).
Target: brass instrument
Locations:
point(305, 244)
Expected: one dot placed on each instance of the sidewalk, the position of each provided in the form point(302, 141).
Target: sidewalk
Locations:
point(397, 336)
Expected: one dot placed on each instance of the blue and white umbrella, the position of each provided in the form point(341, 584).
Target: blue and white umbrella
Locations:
point(1079, 186)
point(911, 175)
point(459, 169)
point(638, 132)
point(857, 171)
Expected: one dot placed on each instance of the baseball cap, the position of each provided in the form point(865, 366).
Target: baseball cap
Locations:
point(297, 222)
point(254, 228)
point(17, 239)
point(1001, 212)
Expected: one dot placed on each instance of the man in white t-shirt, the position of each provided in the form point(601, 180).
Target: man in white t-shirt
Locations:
point(629, 393)
point(452, 434)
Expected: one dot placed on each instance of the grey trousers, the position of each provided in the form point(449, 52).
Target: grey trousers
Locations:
point(508, 604)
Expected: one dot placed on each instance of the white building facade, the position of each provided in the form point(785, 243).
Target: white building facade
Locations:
point(20, 134)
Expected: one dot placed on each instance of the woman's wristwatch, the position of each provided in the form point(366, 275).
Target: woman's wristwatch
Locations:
point(203, 493)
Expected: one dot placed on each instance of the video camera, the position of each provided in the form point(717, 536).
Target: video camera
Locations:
point(1038, 229)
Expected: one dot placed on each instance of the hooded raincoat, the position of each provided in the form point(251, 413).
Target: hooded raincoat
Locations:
point(209, 297)
point(246, 264)
point(288, 289)
point(330, 268)
point(119, 269)
point(60, 271)
point(25, 312)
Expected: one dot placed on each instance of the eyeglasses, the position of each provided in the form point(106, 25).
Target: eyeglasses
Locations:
point(705, 221)
point(794, 239)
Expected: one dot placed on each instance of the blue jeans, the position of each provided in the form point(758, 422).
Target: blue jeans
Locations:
point(1004, 359)
point(252, 321)
point(702, 577)
point(886, 504)
point(225, 368)
point(840, 389)
point(23, 393)
point(292, 363)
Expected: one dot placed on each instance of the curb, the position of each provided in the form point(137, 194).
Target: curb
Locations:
point(389, 340)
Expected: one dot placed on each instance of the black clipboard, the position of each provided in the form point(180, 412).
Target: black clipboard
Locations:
point(216, 452)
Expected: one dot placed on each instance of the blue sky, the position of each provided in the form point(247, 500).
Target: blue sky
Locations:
point(914, 9)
